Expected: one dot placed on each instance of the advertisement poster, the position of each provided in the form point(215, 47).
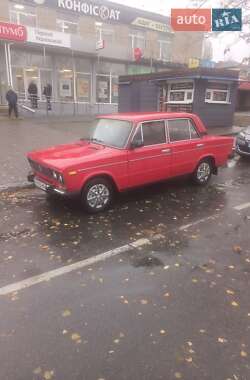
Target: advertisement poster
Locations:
point(103, 92)
point(83, 88)
point(65, 88)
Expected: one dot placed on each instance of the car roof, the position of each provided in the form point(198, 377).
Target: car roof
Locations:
point(145, 116)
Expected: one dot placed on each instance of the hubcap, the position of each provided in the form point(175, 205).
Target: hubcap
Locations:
point(203, 172)
point(98, 196)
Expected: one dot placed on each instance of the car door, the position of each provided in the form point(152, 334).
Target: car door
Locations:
point(186, 146)
point(151, 161)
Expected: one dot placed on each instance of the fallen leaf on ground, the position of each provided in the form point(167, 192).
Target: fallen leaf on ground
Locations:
point(178, 375)
point(222, 340)
point(229, 291)
point(237, 249)
point(37, 371)
point(144, 302)
point(243, 354)
point(66, 313)
point(76, 338)
point(48, 375)
point(235, 304)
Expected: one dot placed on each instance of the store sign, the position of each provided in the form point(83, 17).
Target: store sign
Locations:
point(48, 37)
point(12, 32)
point(106, 11)
point(150, 24)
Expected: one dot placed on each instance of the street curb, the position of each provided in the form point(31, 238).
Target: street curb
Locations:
point(16, 187)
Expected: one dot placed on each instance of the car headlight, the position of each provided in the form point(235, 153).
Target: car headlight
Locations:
point(60, 178)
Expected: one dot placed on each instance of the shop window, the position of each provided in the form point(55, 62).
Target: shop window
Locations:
point(66, 84)
point(83, 87)
point(180, 92)
point(106, 88)
point(23, 14)
point(164, 50)
point(67, 26)
point(153, 133)
point(217, 92)
point(179, 130)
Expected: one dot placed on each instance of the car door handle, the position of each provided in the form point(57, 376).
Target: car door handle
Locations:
point(168, 150)
point(200, 145)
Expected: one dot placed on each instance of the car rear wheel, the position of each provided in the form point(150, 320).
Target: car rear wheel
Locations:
point(97, 195)
point(203, 172)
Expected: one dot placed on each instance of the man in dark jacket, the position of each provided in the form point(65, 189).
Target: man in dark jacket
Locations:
point(32, 90)
point(11, 98)
point(47, 91)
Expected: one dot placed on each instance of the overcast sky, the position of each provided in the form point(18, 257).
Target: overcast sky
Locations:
point(238, 48)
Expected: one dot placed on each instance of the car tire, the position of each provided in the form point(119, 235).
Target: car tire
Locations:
point(203, 172)
point(97, 195)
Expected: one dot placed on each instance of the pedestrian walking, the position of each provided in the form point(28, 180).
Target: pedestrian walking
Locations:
point(11, 97)
point(32, 90)
point(47, 92)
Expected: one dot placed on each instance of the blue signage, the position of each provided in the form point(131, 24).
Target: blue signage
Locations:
point(226, 19)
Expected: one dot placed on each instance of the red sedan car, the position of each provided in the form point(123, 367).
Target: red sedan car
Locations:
point(126, 151)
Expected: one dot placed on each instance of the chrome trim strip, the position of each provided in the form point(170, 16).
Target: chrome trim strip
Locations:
point(149, 157)
point(101, 166)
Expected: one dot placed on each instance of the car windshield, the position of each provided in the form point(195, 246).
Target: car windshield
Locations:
point(111, 132)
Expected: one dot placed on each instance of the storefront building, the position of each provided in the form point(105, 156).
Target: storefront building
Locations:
point(210, 93)
point(80, 48)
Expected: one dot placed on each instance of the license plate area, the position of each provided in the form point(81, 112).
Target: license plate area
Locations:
point(41, 185)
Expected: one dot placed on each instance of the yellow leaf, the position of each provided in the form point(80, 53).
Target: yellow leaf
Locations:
point(237, 249)
point(37, 371)
point(222, 340)
point(75, 337)
point(66, 313)
point(144, 302)
point(235, 304)
point(178, 375)
point(163, 332)
point(189, 359)
point(243, 354)
point(231, 292)
point(48, 375)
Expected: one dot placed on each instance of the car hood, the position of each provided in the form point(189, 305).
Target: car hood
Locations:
point(68, 155)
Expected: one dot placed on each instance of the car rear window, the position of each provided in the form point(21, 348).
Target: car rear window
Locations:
point(181, 129)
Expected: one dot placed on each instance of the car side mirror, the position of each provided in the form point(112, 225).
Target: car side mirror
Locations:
point(136, 144)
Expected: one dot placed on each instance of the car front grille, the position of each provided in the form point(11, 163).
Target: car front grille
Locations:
point(41, 169)
point(244, 148)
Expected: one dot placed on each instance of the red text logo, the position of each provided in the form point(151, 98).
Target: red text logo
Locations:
point(191, 19)
point(13, 32)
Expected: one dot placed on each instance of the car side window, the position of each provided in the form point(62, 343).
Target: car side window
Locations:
point(193, 133)
point(154, 132)
point(178, 130)
point(138, 135)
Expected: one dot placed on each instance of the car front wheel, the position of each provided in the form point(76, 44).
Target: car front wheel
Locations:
point(203, 172)
point(97, 195)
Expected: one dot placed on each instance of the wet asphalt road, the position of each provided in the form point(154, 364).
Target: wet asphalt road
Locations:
point(176, 308)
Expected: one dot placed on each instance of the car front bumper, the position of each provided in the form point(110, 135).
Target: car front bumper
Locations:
point(243, 150)
point(46, 187)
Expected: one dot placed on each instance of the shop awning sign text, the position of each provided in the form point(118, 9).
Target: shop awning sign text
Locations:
point(48, 37)
point(12, 32)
